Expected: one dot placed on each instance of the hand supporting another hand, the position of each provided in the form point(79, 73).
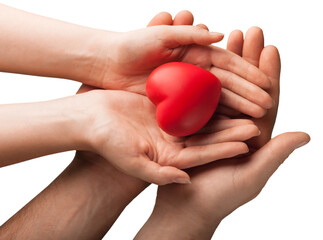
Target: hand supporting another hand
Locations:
point(185, 211)
point(194, 211)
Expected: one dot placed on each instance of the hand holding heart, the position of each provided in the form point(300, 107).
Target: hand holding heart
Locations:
point(130, 118)
point(123, 129)
point(127, 60)
point(194, 211)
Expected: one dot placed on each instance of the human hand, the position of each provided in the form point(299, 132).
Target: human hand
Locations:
point(123, 129)
point(219, 188)
point(121, 66)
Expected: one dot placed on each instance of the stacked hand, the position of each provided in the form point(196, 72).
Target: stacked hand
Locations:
point(123, 67)
point(228, 161)
point(194, 211)
point(124, 131)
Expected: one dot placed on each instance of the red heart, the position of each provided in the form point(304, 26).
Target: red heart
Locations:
point(186, 97)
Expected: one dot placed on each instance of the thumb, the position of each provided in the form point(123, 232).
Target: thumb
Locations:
point(175, 36)
point(152, 172)
point(266, 160)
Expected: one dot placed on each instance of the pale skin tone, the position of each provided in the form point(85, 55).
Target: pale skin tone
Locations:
point(113, 118)
point(93, 170)
point(36, 45)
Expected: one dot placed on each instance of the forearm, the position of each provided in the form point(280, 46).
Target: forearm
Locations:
point(82, 203)
point(35, 129)
point(36, 45)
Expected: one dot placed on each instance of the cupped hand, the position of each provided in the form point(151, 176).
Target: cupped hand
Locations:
point(220, 187)
point(127, 61)
point(123, 129)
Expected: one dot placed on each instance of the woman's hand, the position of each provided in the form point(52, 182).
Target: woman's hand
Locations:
point(126, 62)
point(36, 45)
point(122, 128)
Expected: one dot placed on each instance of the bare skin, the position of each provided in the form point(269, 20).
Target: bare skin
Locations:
point(92, 180)
point(87, 198)
point(194, 211)
point(35, 45)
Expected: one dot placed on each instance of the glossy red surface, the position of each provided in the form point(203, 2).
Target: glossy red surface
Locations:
point(185, 95)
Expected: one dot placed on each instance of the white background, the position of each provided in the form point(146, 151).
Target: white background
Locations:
point(290, 206)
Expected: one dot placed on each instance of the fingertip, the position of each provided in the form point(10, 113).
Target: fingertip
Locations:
point(244, 148)
point(184, 17)
point(236, 34)
point(216, 36)
point(270, 63)
point(182, 180)
point(304, 139)
point(162, 18)
point(268, 102)
point(254, 30)
point(235, 42)
point(271, 52)
point(168, 175)
point(254, 130)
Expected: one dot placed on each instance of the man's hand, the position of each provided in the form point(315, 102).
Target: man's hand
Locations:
point(82, 203)
point(219, 188)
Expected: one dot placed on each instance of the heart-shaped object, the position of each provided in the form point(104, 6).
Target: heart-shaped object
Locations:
point(185, 95)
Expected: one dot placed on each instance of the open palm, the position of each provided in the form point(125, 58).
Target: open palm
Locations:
point(220, 187)
point(126, 133)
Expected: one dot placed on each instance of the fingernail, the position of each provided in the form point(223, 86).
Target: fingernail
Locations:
point(301, 144)
point(274, 103)
point(182, 180)
point(216, 34)
point(259, 133)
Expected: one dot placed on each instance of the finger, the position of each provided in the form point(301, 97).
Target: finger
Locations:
point(270, 64)
point(265, 161)
point(233, 63)
point(152, 172)
point(224, 110)
point(183, 18)
point(202, 26)
point(219, 125)
point(235, 42)
point(243, 88)
point(232, 100)
point(162, 18)
point(199, 155)
point(253, 45)
point(175, 36)
point(234, 134)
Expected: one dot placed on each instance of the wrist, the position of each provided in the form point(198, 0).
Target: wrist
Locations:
point(32, 130)
point(171, 221)
point(124, 187)
point(98, 54)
